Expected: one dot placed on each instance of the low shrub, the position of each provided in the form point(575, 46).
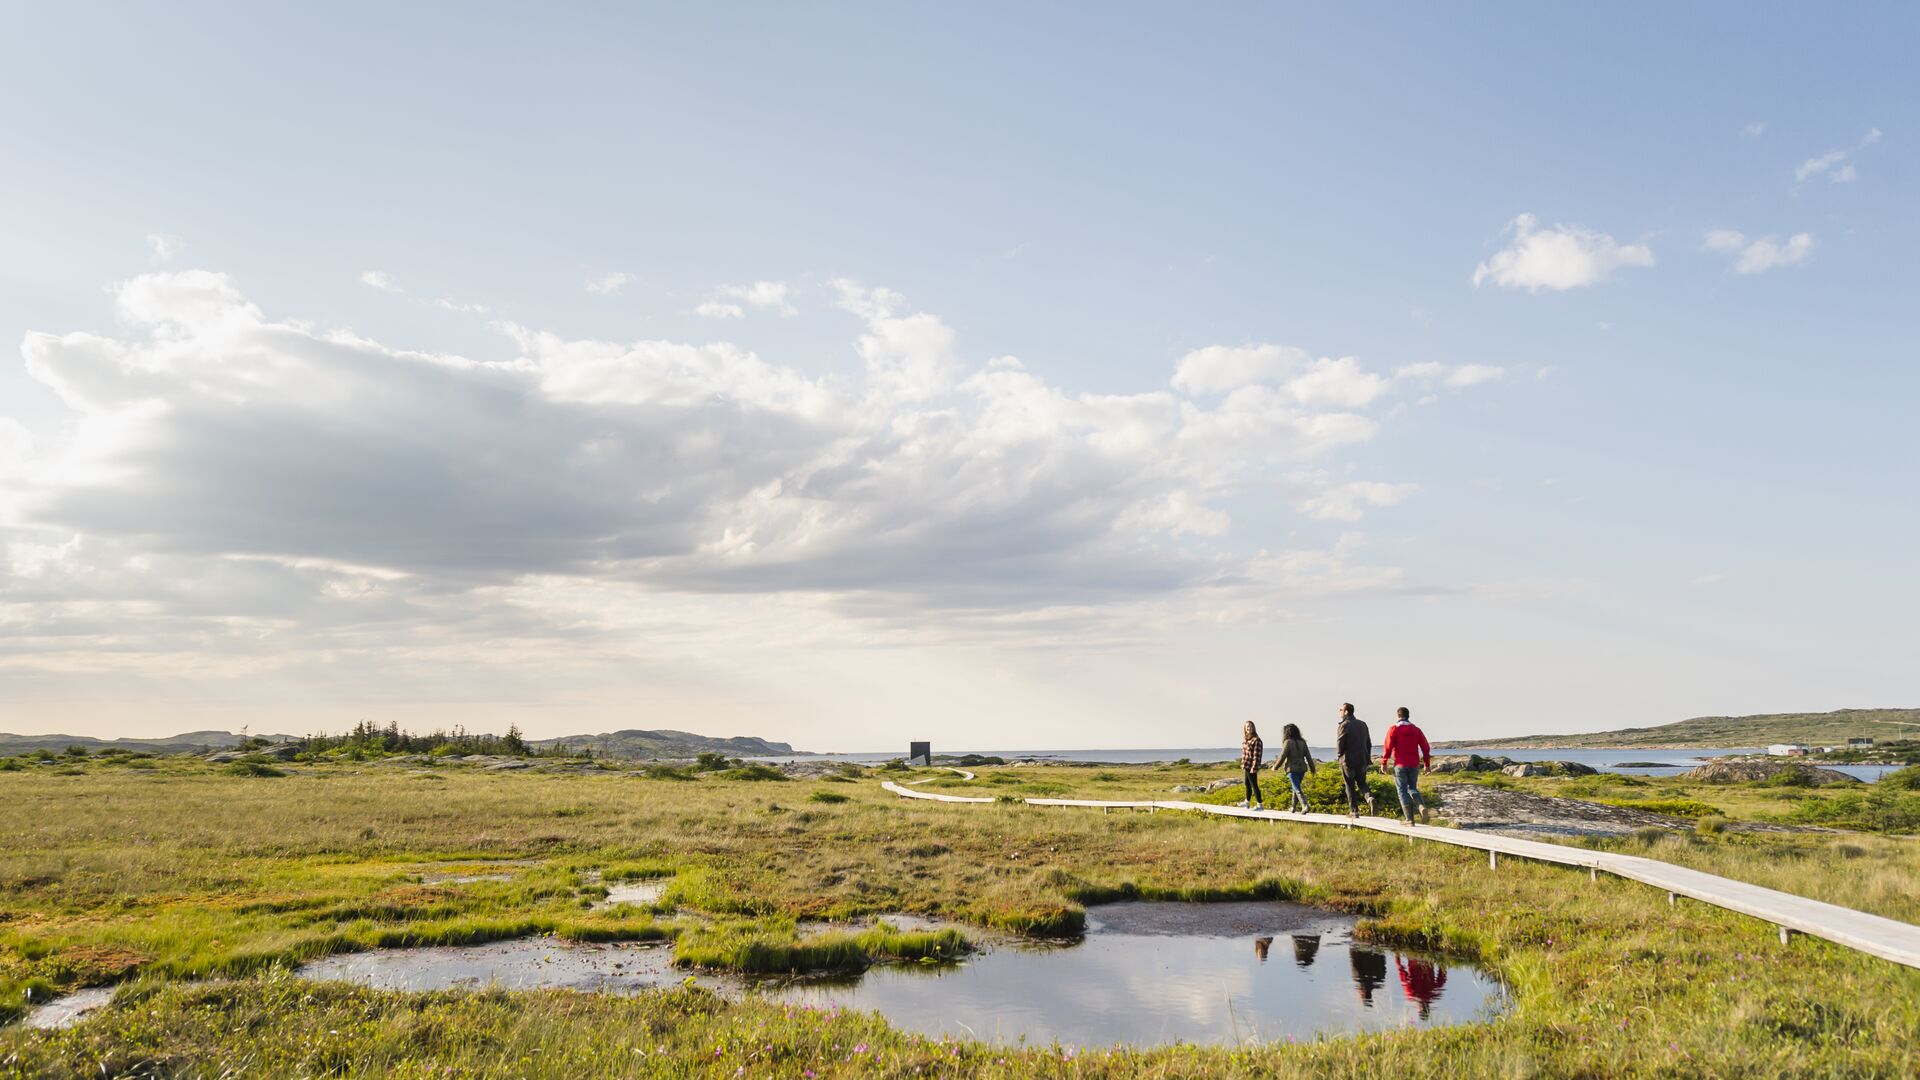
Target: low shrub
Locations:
point(753, 772)
point(828, 797)
point(254, 768)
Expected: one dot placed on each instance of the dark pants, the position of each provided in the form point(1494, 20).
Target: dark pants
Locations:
point(1354, 779)
point(1253, 786)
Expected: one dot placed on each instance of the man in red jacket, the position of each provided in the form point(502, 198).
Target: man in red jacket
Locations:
point(1405, 754)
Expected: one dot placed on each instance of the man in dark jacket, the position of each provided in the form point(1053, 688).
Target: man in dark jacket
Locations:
point(1353, 746)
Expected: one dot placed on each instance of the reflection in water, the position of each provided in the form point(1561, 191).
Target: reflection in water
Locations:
point(1369, 972)
point(1422, 980)
point(1148, 974)
point(1305, 948)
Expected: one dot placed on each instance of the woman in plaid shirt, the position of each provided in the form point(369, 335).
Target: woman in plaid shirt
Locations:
point(1251, 749)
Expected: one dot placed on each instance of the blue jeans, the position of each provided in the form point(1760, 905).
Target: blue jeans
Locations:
point(1406, 782)
point(1299, 797)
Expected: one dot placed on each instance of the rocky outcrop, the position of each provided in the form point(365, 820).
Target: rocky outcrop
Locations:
point(1516, 813)
point(1217, 785)
point(278, 751)
point(1734, 772)
point(1457, 763)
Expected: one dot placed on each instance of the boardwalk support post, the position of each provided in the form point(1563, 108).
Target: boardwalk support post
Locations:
point(1672, 899)
point(1493, 860)
point(1593, 873)
point(1785, 935)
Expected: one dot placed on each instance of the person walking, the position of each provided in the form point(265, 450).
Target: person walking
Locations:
point(1407, 751)
point(1251, 752)
point(1353, 749)
point(1297, 761)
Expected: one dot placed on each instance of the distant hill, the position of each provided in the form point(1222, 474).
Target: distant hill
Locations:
point(667, 743)
point(1814, 729)
point(192, 742)
point(622, 744)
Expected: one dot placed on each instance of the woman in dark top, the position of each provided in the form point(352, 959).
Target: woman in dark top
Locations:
point(1296, 761)
point(1251, 751)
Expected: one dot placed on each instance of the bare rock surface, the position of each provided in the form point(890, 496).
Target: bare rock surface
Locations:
point(1452, 763)
point(1730, 772)
point(1516, 813)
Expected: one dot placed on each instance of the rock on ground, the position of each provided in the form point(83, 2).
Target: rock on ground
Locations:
point(1728, 772)
point(1452, 763)
point(1516, 813)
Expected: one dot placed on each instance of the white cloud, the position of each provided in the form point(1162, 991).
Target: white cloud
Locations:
point(1219, 368)
point(239, 489)
point(1347, 502)
point(1758, 254)
point(378, 279)
point(909, 357)
point(164, 246)
point(1755, 129)
point(732, 301)
point(1339, 382)
point(1836, 165)
point(1560, 258)
point(1461, 375)
point(609, 284)
point(774, 296)
point(1474, 374)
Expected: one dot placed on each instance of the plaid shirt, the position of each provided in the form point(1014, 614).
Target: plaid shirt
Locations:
point(1250, 751)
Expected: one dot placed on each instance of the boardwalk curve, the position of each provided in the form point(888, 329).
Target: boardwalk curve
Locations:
point(1876, 935)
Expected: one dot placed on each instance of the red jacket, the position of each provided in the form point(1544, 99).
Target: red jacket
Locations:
point(1406, 747)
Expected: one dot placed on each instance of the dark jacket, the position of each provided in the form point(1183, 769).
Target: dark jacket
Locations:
point(1353, 744)
point(1294, 756)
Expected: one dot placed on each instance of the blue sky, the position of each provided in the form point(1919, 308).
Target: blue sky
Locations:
point(1655, 462)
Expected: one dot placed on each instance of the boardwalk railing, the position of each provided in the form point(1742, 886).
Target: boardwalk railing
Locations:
point(1876, 935)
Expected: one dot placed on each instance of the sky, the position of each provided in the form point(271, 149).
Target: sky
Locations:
point(1011, 376)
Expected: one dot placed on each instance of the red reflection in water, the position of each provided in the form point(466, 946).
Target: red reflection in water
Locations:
point(1422, 980)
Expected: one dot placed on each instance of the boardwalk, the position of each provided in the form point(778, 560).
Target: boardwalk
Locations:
point(1876, 935)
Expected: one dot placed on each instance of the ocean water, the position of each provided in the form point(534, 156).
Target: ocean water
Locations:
point(1673, 762)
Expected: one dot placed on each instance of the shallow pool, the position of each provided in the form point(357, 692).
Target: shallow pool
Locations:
point(1160, 973)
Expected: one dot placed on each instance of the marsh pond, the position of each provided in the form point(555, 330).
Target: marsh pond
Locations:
point(1143, 974)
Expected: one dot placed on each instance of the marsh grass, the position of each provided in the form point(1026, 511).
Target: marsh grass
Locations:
point(182, 872)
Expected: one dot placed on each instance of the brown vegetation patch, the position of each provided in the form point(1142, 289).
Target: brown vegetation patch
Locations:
point(90, 965)
point(415, 895)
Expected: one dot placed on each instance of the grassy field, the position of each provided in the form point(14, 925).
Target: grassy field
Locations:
point(1814, 729)
point(196, 886)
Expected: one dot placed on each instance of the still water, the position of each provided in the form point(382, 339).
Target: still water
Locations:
point(1143, 974)
point(1148, 974)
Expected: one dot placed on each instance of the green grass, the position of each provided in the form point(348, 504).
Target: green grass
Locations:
point(1692, 808)
point(775, 947)
point(159, 878)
